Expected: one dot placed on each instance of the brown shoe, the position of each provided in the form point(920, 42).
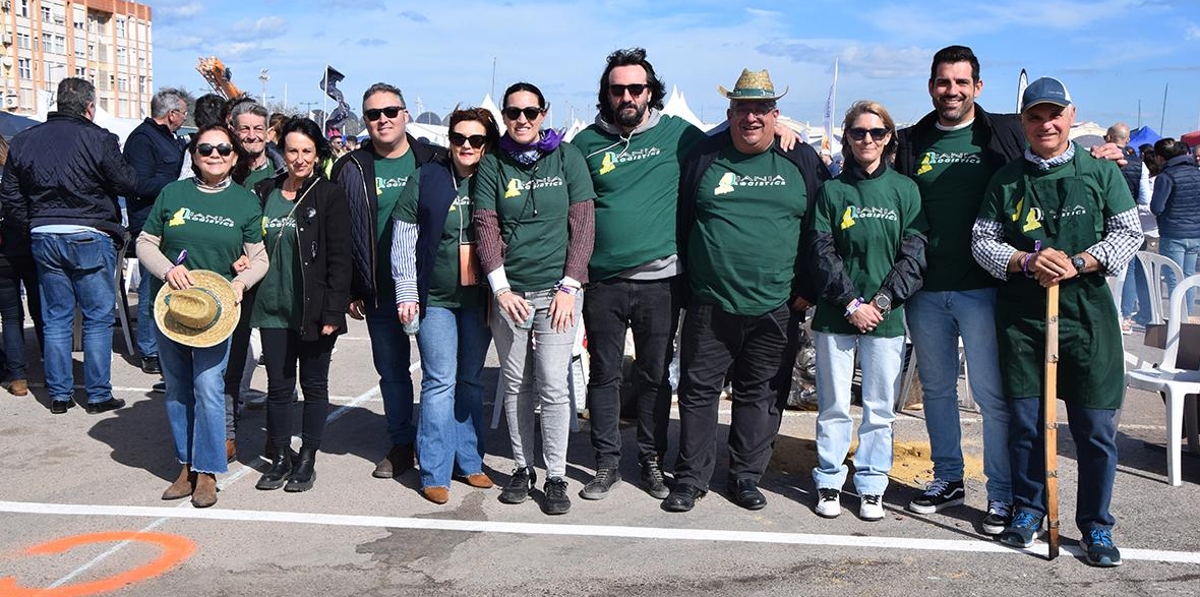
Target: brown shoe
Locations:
point(398, 460)
point(230, 450)
point(183, 486)
point(18, 387)
point(480, 480)
point(437, 495)
point(205, 494)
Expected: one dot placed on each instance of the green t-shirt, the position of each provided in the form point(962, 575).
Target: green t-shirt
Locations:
point(444, 289)
point(277, 303)
point(532, 203)
point(742, 248)
point(867, 219)
point(391, 174)
point(211, 226)
point(952, 176)
point(637, 192)
point(258, 175)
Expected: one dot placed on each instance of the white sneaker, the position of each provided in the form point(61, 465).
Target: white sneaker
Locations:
point(829, 504)
point(871, 508)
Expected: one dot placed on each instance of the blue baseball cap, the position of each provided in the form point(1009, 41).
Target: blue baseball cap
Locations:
point(1046, 90)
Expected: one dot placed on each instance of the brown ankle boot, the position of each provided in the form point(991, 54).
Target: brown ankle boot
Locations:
point(205, 494)
point(183, 486)
point(230, 450)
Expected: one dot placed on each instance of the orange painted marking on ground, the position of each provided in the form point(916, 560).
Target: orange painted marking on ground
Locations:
point(175, 550)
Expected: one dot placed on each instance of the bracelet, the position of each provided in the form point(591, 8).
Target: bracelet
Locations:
point(567, 290)
point(854, 306)
point(502, 292)
point(1025, 265)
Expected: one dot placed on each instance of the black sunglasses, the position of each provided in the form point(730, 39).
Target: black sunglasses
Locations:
point(206, 149)
point(858, 134)
point(374, 113)
point(513, 113)
point(477, 141)
point(634, 89)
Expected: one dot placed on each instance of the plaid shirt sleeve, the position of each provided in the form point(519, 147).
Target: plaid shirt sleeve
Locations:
point(1122, 239)
point(989, 247)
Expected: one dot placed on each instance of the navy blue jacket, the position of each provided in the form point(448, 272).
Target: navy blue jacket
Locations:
point(1176, 199)
point(433, 207)
point(68, 171)
point(156, 155)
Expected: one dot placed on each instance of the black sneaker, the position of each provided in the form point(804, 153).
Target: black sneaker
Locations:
point(519, 486)
point(1100, 549)
point(59, 407)
point(598, 487)
point(556, 501)
point(939, 495)
point(150, 365)
point(999, 514)
point(653, 479)
point(103, 407)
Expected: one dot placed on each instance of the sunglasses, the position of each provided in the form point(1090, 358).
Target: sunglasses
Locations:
point(206, 149)
point(374, 113)
point(476, 141)
point(513, 113)
point(858, 133)
point(634, 89)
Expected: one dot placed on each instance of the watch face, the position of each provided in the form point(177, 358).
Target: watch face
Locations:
point(1079, 263)
point(883, 302)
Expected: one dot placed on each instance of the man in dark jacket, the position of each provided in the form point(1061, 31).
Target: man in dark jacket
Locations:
point(742, 202)
point(62, 179)
point(156, 155)
point(1176, 203)
point(373, 177)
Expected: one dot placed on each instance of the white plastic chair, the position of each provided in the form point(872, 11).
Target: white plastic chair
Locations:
point(1153, 265)
point(1179, 386)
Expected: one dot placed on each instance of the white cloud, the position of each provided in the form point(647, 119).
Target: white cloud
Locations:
point(258, 29)
point(1192, 33)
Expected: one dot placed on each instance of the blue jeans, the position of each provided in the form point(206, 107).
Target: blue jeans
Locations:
point(147, 339)
point(1183, 251)
point(936, 320)
point(454, 345)
point(881, 361)
point(196, 402)
point(391, 350)
point(1095, 433)
point(77, 269)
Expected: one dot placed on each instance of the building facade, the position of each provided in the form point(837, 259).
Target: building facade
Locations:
point(107, 42)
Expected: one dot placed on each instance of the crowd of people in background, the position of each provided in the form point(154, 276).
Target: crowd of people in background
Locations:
point(262, 230)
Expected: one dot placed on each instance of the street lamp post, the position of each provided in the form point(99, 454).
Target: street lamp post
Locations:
point(264, 77)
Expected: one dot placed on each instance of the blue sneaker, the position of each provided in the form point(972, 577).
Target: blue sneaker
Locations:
point(1100, 549)
point(1023, 530)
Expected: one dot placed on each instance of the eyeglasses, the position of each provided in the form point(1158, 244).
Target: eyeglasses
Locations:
point(858, 133)
point(476, 141)
point(531, 113)
point(206, 149)
point(742, 110)
point(634, 89)
point(374, 113)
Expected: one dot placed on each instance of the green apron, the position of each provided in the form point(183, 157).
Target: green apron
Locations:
point(1063, 214)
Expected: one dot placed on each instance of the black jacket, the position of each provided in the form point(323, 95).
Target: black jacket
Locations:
point(999, 134)
point(812, 170)
point(323, 239)
point(66, 170)
point(156, 155)
point(364, 208)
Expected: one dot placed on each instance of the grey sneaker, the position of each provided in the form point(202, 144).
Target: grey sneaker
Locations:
point(653, 479)
point(556, 501)
point(599, 486)
point(998, 516)
point(519, 486)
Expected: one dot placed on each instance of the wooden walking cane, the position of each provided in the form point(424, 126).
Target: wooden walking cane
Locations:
point(1050, 416)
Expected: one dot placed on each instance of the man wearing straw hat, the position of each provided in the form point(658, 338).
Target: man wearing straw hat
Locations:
point(742, 202)
point(1059, 217)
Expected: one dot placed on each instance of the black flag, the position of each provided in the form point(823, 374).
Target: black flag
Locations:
point(328, 84)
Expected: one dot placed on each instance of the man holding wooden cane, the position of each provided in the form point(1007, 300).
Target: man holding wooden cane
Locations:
point(1059, 217)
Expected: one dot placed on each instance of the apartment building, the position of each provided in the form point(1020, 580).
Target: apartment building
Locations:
point(104, 41)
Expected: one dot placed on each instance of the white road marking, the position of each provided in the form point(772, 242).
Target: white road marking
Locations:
point(573, 530)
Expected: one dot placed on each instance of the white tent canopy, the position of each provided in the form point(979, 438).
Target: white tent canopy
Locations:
point(676, 105)
point(121, 127)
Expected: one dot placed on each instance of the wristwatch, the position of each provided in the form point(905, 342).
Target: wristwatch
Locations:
point(1079, 264)
point(882, 302)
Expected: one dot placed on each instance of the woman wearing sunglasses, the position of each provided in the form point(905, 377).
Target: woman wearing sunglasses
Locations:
point(438, 286)
point(206, 222)
point(869, 248)
point(533, 218)
point(301, 306)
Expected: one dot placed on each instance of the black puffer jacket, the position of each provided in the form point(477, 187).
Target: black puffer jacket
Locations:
point(69, 171)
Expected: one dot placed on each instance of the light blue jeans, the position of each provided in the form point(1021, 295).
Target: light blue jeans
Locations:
point(77, 268)
point(453, 344)
point(881, 360)
point(196, 402)
point(1183, 251)
point(936, 320)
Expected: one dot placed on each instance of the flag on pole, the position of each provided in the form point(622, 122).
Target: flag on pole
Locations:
point(827, 142)
point(1022, 83)
point(334, 120)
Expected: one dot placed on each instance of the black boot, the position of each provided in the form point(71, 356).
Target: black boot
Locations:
point(281, 469)
point(303, 474)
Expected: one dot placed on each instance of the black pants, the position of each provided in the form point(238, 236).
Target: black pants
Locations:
point(239, 344)
point(651, 309)
point(756, 350)
point(281, 350)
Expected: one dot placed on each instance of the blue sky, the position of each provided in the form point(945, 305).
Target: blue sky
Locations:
point(1110, 53)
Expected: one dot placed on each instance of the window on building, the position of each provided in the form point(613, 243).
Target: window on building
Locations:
point(23, 9)
point(79, 17)
point(47, 42)
point(25, 68)
point(121, 28)
point(122, 56)
point(47, 17)
point(142, 84)
point(80, 71)
point(60, 44)
point(91, 51)
point(27, 98)
point(23, 41)
point(122, 83)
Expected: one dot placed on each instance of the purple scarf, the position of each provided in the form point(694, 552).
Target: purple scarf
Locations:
point(547, 142)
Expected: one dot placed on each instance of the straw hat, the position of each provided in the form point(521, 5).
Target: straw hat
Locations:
point(752, 86)
point(201, 316)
